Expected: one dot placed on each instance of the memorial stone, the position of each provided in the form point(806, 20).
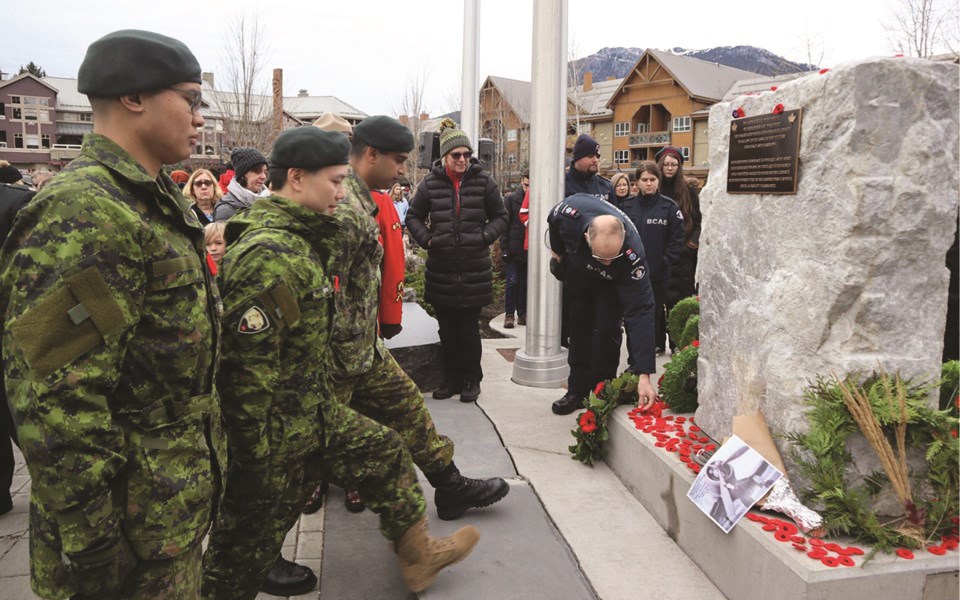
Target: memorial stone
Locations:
point(849, 273)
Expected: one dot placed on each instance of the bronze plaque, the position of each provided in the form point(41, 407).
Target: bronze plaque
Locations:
point(763, 154)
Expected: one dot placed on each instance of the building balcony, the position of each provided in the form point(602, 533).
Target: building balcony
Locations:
point(64, 151)
point(655, 138)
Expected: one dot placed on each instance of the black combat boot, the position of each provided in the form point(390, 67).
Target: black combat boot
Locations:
point(470, 391)
point(566, 405)
point(449, 388)
point(287, 578)
point(456, 493)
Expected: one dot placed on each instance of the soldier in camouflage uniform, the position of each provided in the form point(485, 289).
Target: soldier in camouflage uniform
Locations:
point(110, 341)
point(367, 376)
point(285, 429)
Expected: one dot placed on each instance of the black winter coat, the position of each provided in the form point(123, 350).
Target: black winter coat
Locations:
point(457, 231)
point(576, 182)
point(683, 282)
point(511, 244)
point(660, 223)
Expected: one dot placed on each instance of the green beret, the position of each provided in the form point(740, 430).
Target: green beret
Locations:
point(131, 61)
point(384, 133)
point(309, 148)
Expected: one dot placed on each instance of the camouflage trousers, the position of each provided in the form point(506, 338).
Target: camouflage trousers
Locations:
point(387, 395)
point(358, 453)
point(175, 578)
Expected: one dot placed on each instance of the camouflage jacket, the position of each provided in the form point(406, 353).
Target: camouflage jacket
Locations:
point(355, 262)
point(110, 345)
point(278, 305)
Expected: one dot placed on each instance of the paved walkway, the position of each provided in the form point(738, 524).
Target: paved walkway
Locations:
point(565, 531)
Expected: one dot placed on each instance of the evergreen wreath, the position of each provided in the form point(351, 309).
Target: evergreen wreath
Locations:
point(591, 429)
point(901, 414)
point(681, 311)
point(691, 331)
point(678, 386)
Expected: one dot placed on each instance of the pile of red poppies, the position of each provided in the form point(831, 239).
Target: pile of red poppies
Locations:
point(828, 553)
point(675, 434)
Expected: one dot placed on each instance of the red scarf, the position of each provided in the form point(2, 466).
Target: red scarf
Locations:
point(456, 189)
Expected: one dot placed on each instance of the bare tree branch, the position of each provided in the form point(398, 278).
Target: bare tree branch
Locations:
point(411, 107)
point(245, 102)
point(922, 28)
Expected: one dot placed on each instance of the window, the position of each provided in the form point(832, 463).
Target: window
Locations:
point(198, 149)
point(511, 135)
point(621, 129)
point(3, 111)
point(218, 126)
point(3, 139)
point(621, 157)
point(14, 99)
point(17, 113)
point(32, 141)
point(45, 141)
point(641, 127)
point(586, 127)
point(685, 150)
point(208, 150)
point(18, 140)
point(681, 124)
point(86, 117)
point(512, 159)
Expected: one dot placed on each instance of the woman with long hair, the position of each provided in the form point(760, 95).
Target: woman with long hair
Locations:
point(660, 223)
point(682, 282)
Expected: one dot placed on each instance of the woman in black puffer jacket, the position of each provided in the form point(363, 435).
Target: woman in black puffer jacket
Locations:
point(456, 214)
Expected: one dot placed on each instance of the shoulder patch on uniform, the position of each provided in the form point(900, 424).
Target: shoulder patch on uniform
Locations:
point(631, 255)
point(679, 215)
point(569, 211)
point(254, 320)
point(638, 273)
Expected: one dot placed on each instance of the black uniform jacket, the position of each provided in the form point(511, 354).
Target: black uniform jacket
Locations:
point(568, 222)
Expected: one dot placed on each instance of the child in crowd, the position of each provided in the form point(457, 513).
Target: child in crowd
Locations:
point(216, 246)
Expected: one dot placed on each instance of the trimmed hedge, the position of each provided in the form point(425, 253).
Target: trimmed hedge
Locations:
point(679, 385)
point(690, 332)
point(677, 319)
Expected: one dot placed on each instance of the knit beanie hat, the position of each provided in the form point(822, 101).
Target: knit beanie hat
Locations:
point(452, 137)
point(585, 146)
point(244, 159)
point(180, 176)
point(9, 174)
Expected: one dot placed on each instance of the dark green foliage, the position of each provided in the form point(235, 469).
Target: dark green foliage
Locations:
point(679, 314)
point(690, 332)
point(32, 68)
point(950, 378)
point(822, 457)
point(679, 386)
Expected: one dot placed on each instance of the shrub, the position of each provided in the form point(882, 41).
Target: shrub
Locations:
point(690, 332)
point(678, 388)
point(949, 383)
point(679, 314)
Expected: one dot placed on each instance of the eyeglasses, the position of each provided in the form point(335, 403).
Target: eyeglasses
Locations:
point(667, 165)
point(606, 257)
point(202, 183)
point(193, 97)
point(459, 155)
point(526, 185)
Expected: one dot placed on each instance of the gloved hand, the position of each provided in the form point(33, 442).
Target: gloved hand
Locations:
point(557, 268)
point(387, 331)
point(102, 570)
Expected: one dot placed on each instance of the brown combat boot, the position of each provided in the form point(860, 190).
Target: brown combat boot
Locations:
point(422, 556)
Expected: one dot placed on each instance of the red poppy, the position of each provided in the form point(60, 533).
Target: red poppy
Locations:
point(939, 550)
point(816, 542)
point(773, 88)
point(588, 422)
point(830, 561)
point(904, 553)
point(778, 109)
point(660, 381)
point(599, 388)
point(898, 56)
point(695, 343)
point(846, 561)
point(817, 553)
point(800, 547)
point(822, 71)
point(953, 433)
point(738, 112)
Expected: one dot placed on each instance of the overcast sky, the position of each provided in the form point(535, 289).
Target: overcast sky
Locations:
point(364, 51)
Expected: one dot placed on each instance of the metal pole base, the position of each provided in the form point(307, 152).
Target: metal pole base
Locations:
point(540, 371)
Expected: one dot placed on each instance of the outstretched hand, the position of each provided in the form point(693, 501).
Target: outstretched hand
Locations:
point(646, 395)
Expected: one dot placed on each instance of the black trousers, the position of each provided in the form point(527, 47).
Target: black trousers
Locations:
point(594, 326)
point(660, 314)
point(8, 437)
point(460, 342)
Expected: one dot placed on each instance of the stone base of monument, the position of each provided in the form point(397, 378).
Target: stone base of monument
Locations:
point(748, 563)
point(417, 348)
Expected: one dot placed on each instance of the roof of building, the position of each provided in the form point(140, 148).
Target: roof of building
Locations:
point(311, 107)
point(22, 76)
point(68, 98)
point(759, 84)
point(518, 95)
point(699, 78)
point(593, 102)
